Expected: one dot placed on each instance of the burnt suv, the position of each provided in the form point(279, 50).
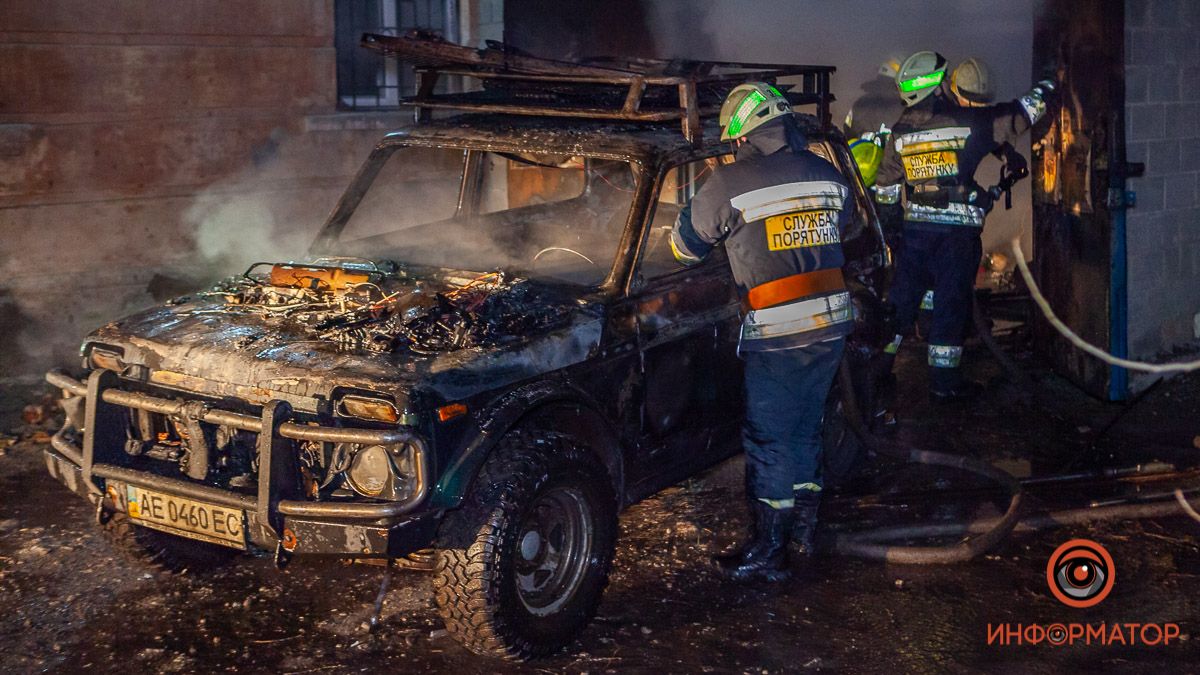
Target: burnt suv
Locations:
point(489, 352)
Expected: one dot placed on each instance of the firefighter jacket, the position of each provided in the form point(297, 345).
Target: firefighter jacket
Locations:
point(929, 166)
point(780, 216)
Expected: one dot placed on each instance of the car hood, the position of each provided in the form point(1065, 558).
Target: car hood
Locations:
point(197, 344)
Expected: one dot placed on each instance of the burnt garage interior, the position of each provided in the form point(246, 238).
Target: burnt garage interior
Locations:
point(151, 149)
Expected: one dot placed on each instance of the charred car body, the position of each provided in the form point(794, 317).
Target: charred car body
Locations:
point(488, 354)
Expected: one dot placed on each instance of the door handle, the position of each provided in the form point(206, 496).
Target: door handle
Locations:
point(651, 326)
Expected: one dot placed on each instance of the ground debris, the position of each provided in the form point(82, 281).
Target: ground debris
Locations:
point(42, 412)
point(663, 611)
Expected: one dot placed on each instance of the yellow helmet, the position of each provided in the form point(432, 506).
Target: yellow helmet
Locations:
point(749, 106)
point(971, 83)
point(919, 76)
point(868, 155)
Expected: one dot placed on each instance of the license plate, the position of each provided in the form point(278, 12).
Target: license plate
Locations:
point(187, 517)
point(931, 165)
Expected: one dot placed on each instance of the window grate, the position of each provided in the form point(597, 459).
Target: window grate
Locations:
point(367, 80)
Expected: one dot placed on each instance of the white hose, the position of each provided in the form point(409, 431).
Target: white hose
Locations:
point(1174, 367)
point(1187, 508)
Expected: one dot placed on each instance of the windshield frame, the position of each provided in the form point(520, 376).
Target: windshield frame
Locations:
point(328, 238)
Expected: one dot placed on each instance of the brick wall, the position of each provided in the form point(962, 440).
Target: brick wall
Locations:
point(1162, 128)
point(147, 146)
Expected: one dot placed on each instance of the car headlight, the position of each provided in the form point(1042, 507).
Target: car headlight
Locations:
point(108, 358)
point(380, 471)
point(367, 408)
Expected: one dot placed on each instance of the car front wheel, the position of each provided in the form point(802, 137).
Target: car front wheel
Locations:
point(522, 565)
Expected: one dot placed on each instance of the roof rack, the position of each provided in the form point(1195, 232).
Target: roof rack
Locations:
point(638, 90)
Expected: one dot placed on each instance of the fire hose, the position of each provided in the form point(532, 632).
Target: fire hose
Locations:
point(871, 544)
point(879, 543)
point(990, 532)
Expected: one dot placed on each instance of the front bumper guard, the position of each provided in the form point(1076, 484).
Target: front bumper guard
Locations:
point(103, 438)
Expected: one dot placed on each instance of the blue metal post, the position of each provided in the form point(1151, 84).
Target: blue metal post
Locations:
point(1118, 306)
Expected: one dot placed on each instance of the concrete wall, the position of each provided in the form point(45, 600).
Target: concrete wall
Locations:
point(480, 21)
point(147, 145)
point(1162, 128)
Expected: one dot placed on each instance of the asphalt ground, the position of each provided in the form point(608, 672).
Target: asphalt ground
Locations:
point(69, 603)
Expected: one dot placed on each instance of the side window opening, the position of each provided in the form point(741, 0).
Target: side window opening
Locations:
point(678, 185)
point(554, 217)
point(844, 164)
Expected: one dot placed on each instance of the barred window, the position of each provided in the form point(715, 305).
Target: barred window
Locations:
point(367, 80)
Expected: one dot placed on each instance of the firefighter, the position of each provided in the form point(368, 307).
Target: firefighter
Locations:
point(866, 122)
point(877, 105)
point(971, 87)
point(927, 178)
point(971, 84)
point(780, 211)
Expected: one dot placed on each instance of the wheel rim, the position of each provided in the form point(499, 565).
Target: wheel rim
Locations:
point(553, 550)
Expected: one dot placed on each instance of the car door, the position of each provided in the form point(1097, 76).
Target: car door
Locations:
point(687, 323)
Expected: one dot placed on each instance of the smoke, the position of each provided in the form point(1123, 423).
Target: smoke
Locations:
point(232, 230)
point(854, 35)
point(857, 36)
point(257, 213)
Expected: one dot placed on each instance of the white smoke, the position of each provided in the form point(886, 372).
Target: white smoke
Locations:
point(235, 229)
point(857, 36)
point(257, 213)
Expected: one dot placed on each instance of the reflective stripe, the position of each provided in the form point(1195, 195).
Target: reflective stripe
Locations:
point(795, 287)
point(945, 138)
point(808, 487)
point(893, 347)
point(954, 214)
point(680, 251)
point(945, 356)
point(797, 317)
point(779, 199)
point(887, 194)
point(1033, 105)
point(778, 504)
point(927, 301)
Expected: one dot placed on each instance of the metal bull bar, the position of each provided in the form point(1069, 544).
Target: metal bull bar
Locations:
point(277, 464)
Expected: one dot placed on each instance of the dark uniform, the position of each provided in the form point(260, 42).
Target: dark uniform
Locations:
point(928, 179)
point(780, 216)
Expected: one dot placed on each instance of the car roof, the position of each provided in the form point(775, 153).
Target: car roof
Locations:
point(644, 142)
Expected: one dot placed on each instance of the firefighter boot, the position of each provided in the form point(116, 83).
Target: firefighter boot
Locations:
point(963, 392)
point(765, 555)
point(804, 529)
point(883, 380)
point(947, 385)
point(883, 414)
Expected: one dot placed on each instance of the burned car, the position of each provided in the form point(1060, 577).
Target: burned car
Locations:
point(489, 352)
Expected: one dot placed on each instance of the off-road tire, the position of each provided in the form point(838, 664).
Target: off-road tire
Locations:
point(162, 551)
point(485, 545)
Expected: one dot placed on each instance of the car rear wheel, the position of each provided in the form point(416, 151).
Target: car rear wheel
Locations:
point(522, 565)
point(842, 452)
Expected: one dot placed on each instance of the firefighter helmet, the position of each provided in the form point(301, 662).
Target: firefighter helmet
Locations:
point(749, 106)
point(971, 83)
point(920, 75)
point(868, 155)
point(889, 68)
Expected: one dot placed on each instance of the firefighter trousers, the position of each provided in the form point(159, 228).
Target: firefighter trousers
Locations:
point(785, 402)
point(946, 261)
